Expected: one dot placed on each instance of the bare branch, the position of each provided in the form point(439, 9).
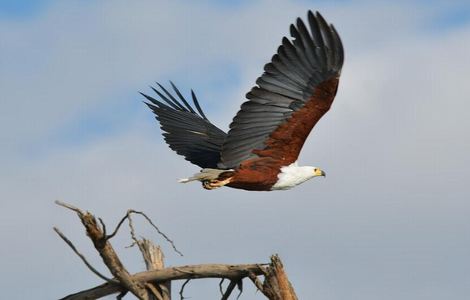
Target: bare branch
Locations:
point(153, 257)
point(128, 217)
point(69, 206)
point(221, 287)
point(179, 269)
point(121, 295)
point(107, 253)
point(276, 285)
point(240, 288)
point(117, 227)
point(155, 284)
point(132, 230)
point(158, 230)
point(82, 257)
point(103, 226)
point(232, 272)
point(182, 289)
point(256, 281)
point(154, 291)
point(229, 290)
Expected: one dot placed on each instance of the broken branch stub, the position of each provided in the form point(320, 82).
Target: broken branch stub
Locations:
point(276, 285)
point(155, 283)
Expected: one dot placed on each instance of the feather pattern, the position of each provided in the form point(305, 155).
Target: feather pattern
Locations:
point(295, 90)
point(288, 83)
point(187, 130)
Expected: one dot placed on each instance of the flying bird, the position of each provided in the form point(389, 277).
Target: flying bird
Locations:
point(260, 150)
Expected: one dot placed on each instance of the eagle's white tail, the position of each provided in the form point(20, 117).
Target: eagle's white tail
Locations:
point(205, 174)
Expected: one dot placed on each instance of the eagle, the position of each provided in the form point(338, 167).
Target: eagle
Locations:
point(260, 150)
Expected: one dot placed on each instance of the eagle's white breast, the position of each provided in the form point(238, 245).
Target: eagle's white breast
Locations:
point(292, 175)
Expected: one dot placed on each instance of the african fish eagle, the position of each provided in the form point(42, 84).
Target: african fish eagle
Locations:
point(260, 150)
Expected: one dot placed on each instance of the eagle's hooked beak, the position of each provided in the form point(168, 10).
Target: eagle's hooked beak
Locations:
point(319, 172)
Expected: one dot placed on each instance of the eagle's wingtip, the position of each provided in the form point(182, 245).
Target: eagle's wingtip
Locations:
point(183, 180)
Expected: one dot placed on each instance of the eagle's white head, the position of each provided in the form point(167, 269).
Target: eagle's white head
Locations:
point(294, 174)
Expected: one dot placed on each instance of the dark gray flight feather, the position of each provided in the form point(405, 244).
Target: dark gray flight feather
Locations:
point(187, 130)
point(287, 83)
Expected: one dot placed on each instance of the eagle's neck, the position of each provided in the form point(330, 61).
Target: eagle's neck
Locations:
point(293, 175)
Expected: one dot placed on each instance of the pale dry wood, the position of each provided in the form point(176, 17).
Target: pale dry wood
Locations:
point(110, 257)
point(153, 257)
point(231, 272)
point(107, 253)
point(276, 285)
point(155, 283)
point(256, 281)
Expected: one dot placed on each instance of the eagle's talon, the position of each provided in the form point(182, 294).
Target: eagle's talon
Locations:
point(207, 184)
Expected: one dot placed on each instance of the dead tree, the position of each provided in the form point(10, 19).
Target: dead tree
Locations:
point(155, 283)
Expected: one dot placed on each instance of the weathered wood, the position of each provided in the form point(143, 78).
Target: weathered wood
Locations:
point(231, 272)
point(155, 283)
point(153, 257)
point(110, 258)
point(276, 285)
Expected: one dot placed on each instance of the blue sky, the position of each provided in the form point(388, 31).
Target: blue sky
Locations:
point(29, 8)
point(221, 75)
point(389, 222)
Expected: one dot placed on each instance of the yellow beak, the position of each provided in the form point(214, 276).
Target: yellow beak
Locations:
point(319, 172)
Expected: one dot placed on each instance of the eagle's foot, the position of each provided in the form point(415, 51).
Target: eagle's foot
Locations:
point(213, 184)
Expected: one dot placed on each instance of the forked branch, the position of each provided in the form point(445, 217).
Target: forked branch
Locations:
point(155, 283)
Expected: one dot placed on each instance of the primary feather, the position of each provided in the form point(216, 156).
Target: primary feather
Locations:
point(287, 84)
point(186, 131)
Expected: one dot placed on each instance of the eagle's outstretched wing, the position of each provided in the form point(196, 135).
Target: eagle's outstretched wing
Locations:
point(187, 130)
point(295, 91)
